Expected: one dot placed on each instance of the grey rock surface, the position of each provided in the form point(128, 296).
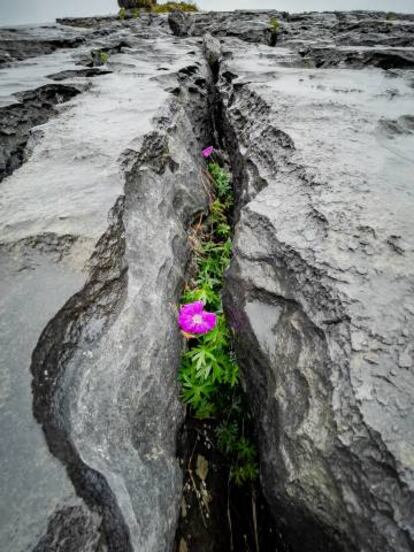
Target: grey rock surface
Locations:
point(94, 206)
point(179, 23)
point(28, 42)
point(320, 291)
point(17, 120)
point(93, 254)
point(348, 35)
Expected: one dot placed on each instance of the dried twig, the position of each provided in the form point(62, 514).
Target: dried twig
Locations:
point(254, 514)
point(209, 188)
point(197, 229)
point(229, 515)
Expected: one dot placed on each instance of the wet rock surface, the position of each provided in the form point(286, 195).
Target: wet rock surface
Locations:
point(28, 42)
point(16, 121)
point(352, 29)
point(320, 289)
point(94, 206)
point(89, 342)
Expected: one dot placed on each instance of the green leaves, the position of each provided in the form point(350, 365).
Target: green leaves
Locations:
point(242, 474)
point(245, 450)
point(209, 374)
point(203, 360)
point(221, 179)
point(227, 434)
point(223, 230)
point(174, 6)
point(210, 359)
point(212, 260)
point(103, 57)
point(274, 25)
point(203, 293)
point(240, 450)
point(196, 391)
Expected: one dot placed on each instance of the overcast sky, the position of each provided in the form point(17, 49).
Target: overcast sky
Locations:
point(38, 11)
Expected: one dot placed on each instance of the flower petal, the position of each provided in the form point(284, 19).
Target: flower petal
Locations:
point(192, 308)
point(193, 319)
point(210, 320)
point(185, 322)
point(207, 152)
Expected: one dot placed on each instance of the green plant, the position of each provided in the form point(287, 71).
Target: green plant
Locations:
point(175, 6)
point(122, 14)
point(238, 449)
point(103, 57)
point(391, 16)
point(243, 473)
point(209, 374)
point(135, 13)
point(221, 180)
point(274, 25)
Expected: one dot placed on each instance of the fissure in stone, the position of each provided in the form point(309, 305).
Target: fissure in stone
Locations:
point(103, 184)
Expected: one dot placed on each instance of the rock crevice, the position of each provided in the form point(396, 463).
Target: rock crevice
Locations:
point(319, 293)
point(296, 296)
point(105, 366)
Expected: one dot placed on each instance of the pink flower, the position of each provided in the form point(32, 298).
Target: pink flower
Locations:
point(207, 152)
point(193, 319)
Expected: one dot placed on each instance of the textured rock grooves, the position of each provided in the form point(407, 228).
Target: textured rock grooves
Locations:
point(161, 177)
point(319, 251)
point(12, 49)
point(286, 353)
point(17, 120)
point(101, 298)
point(248, 113)
point(230, 523)
point(89, 317)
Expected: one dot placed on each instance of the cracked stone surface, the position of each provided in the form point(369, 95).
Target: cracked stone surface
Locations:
point(93, 253)
point(94, 206)
point(320, 291)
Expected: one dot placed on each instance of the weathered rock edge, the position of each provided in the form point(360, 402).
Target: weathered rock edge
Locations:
point(17, 120)
point(112, 421)
point(345, 495)
point(323, 39)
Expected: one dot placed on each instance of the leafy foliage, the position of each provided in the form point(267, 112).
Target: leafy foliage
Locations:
point(391, 16)
point(221, 179)
point(175, 6)
point(103, 57)
point(242, 473)
point(274, 25)
point(132, 8)
point(209, 374)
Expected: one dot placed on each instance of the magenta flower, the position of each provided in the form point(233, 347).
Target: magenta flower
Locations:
point(207, 152)
point(193, 319)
